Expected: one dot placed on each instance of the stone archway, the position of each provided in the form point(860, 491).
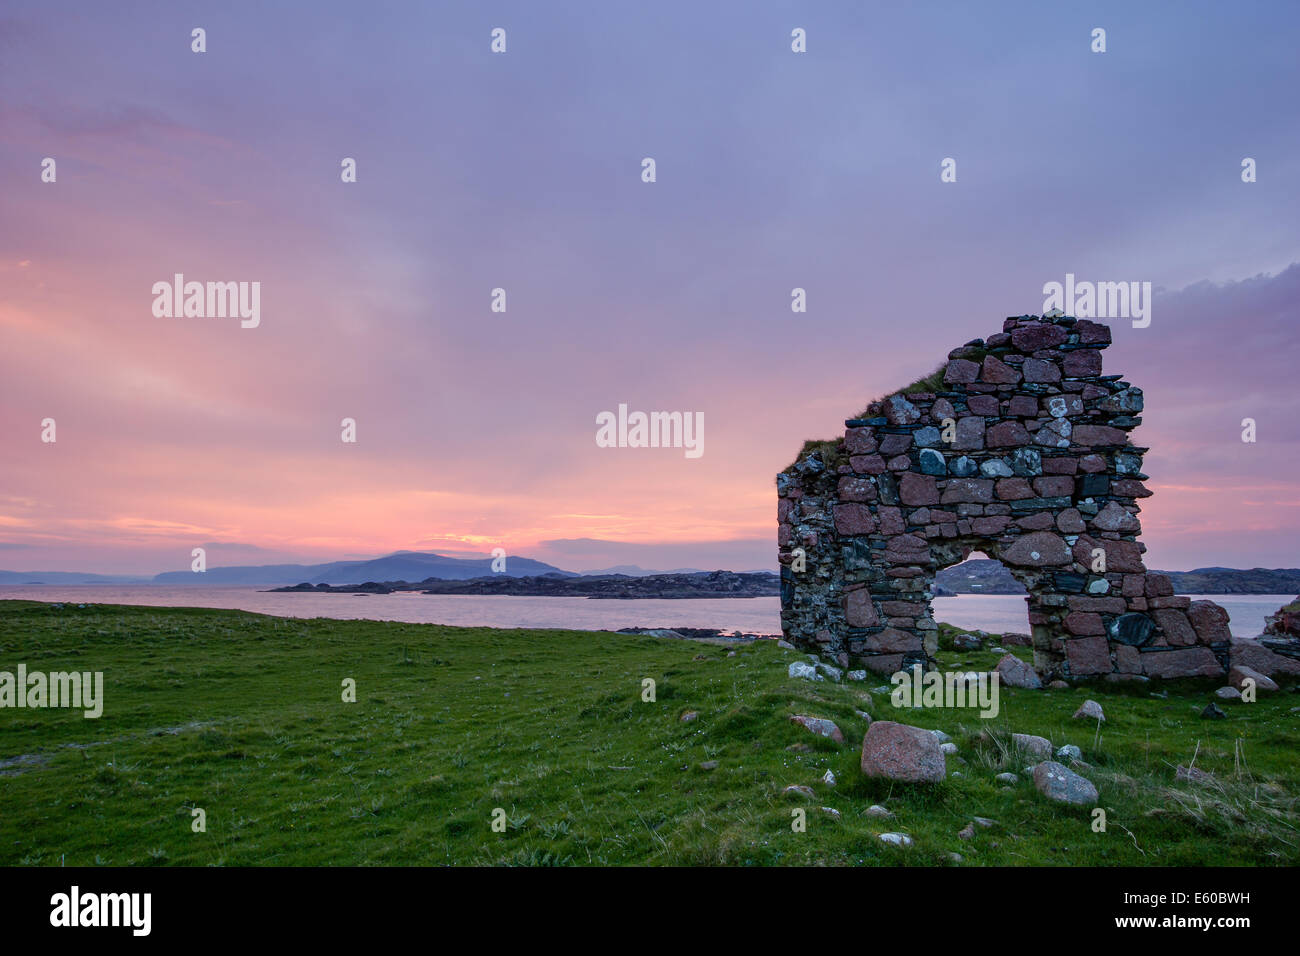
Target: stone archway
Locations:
point(955, 553)
point(1018, 447)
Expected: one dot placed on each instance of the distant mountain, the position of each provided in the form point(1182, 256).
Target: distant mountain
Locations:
point(64, 578)
point(978, 576)
point(986, 576)
point(398, 566)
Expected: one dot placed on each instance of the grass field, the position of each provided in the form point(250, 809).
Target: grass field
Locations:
point(242, 715)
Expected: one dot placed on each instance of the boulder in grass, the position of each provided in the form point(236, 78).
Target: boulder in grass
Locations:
point(900, 752)
point(1090, 709)
point(1228, 693)
point(1016, 673)
point(1063, 785)
point(819, 726)
point(833, 673)
point(1030, 744)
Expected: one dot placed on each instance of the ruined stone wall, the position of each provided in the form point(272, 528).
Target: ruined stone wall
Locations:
point(1023, 454)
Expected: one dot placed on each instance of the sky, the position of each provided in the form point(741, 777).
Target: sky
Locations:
point(522, 170)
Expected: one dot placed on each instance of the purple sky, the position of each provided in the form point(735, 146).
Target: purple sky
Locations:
point(522, 170)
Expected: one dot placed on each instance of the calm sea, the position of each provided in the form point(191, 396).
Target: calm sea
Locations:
point(989, 612)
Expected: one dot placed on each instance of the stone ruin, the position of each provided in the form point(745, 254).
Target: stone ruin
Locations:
point(1018, 447)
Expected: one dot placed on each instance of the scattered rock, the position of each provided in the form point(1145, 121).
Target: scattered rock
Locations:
point(955, 857)
point(831, 812)
point(829, 778)
point(709, 765)
point(819, 726)
point(786, 645)
point(799, 790)
point(856, 675)
point(967, 642)
point(864, 715)
point(1007, 778)
point(900, 752)
point(1016, 673)
point(1059, 685)
point(1240, 673)
point(968, 833)
point(985, 822)
point(1069, 752)
point(1058, 783)
point(948, 747)
point(1212, 712)
point(896, 839)
point(1037, 746)
point(689, 716)
point(879, 812)
point(834, 673)
point(1090, 709)
point(806, 671)
point(1228, 693)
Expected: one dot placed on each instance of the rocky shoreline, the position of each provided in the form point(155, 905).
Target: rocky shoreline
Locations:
point(985, 576)
point(702, 584)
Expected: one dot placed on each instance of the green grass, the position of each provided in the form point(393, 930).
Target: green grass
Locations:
point(241, 715)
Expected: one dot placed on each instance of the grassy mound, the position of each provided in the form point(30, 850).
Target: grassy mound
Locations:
point(241, 715)
point(831, 449)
